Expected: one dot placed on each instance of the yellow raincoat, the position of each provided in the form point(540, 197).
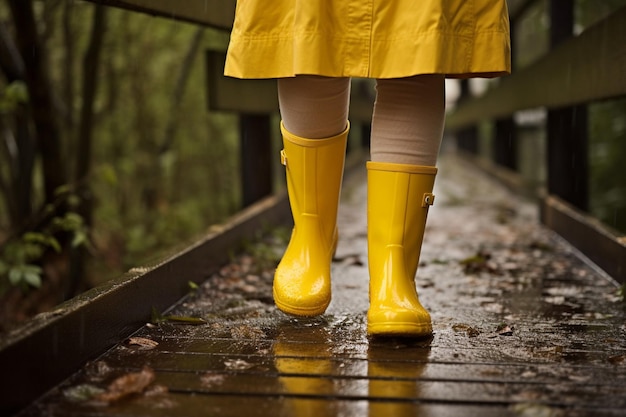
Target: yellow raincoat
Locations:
point(369, 38)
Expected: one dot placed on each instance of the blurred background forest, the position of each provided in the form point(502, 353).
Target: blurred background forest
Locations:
point(109, 156)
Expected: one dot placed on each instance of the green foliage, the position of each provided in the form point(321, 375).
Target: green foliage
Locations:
point(148, 192)
point(13, 95)
point(20, 258)
point(152, 194)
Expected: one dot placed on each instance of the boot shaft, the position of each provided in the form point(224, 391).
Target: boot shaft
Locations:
point(397, 207)
point(314, 170)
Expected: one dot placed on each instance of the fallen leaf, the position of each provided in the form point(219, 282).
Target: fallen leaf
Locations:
point(469, 330)
point(97, 371)
point(157, 318)
point(238, 364)
point(194, 321)
point(505, 330)
point(142, 343)
point(617, 359)
point(155, 390)
point(481, 262)
point(82, 393)
point(210, 379)
point(126, 385)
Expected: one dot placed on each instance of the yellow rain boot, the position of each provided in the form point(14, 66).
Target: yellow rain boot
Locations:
point(314, 175)
point(398, 198)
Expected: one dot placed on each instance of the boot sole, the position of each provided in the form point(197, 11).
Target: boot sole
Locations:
point(399, 329)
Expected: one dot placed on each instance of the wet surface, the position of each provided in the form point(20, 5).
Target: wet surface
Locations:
point(522, 327)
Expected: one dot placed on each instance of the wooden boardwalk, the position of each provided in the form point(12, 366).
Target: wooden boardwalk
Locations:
point(523, 327)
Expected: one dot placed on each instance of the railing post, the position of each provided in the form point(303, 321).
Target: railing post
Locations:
point(505, 143)
point(467, 138)
point(255, 157)
point(567, 127)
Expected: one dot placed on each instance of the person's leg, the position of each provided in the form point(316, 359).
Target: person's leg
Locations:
point(407, 125)
point(314, 107)
point(315, 130)
point(406, 134)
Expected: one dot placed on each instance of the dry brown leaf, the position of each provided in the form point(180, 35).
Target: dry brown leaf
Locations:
point(210, 379)
point(142, 343)
point(505, 330)
point(617, 359)
point(238, 364)
point(471, 331)
point(122, 387)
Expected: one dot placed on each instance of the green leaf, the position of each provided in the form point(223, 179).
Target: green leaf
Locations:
point(108, 174)
point(33, 279)
point(63, 189)
point(26, 274)
point(17, 92)
point(194, 321)
point(156, 317)
point(73, 200)
point(15, 276)
point(54, 244)
point(80, 237)
point(34, 237)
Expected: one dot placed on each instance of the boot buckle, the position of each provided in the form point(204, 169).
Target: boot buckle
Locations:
point(283, 157)
point(428, 200)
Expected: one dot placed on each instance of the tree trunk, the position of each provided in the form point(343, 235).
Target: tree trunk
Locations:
point(155, 189)
point(179, 91)
point(40, 96)
point(91, 64)
point(17, 190)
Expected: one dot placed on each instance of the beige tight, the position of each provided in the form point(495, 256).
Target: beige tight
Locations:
point(407, 123)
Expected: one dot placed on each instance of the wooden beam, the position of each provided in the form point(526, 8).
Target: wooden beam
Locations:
point(589, 67)
point(605, 247)
point(236, 95)
point(259, 96)
point(214, 13)
point(518, 7)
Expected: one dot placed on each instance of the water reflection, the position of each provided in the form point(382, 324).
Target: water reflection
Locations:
point(318, 383)
point(394, 369)
point(302, 356)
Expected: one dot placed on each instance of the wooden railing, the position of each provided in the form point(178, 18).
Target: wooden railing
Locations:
point(576, 71)
point(212, 13)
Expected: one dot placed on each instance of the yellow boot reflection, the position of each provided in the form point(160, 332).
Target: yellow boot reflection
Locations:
point(394, 371)
point(302, 358)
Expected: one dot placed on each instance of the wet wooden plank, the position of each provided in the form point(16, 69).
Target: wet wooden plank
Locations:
point(262, 357)
point(244, 405)
point(407, 389)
